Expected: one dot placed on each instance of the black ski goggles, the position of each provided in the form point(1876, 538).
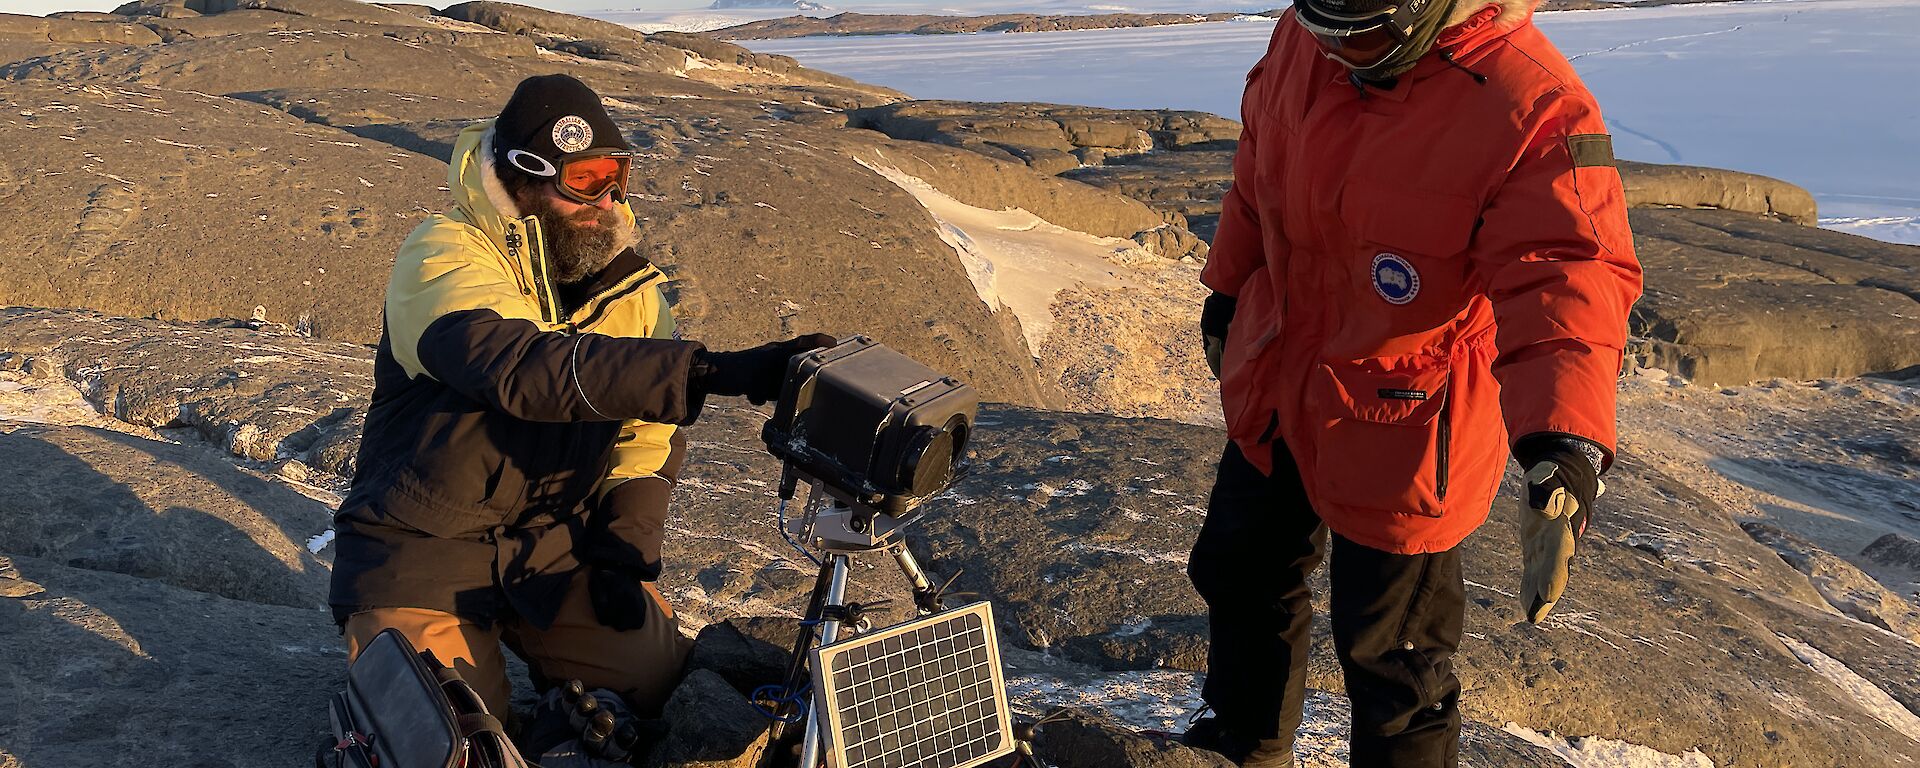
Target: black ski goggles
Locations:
point(583, 177)
point(1363, 40)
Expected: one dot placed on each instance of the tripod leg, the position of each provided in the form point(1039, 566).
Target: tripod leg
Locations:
point(829, 631)
point(797, 673)
point(923, 595)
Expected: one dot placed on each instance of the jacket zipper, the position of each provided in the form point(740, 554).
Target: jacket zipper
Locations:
point(596, 304)
point(537, 259)
point(1446, 443)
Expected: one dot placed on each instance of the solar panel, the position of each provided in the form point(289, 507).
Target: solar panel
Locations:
point(928, 693)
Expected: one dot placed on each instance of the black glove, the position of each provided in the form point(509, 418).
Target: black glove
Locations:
point(1215, 316)
point(1562, 482)
point(619, 600)
point(756, 373)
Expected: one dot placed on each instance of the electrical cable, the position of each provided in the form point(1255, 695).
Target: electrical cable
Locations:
point(770, 711)
point(781, 513)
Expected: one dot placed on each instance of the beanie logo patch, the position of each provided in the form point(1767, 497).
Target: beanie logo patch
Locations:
point(572, 134)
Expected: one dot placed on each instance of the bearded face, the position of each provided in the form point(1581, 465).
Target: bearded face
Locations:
point(581, 239)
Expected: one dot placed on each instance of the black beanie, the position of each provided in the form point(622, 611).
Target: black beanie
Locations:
point(550, 117)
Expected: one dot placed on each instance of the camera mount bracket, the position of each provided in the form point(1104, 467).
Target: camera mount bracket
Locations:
point(840, 532)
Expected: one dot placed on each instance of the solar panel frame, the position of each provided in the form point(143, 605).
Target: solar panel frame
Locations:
point(904, 716)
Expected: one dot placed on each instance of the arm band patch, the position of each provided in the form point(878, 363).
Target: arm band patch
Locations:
point(1591, 150)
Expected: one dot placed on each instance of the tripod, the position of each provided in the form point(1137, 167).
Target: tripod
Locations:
point(840, 530)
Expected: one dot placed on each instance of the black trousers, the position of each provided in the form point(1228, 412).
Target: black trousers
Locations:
point(1397, 621)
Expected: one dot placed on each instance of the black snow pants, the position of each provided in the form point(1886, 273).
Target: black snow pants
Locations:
point(1397, 621)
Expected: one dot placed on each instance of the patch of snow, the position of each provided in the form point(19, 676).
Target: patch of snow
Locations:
point(319, 541)
point(1596, 752)
point(1870, 697)
point(1014, 258)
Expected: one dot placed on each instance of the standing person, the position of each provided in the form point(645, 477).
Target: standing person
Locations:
point(513, 479)
point(1424, 253)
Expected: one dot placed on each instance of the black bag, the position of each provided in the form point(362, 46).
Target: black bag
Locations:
point(404, 709)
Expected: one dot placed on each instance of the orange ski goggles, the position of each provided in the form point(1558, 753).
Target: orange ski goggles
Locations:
point(584, 177)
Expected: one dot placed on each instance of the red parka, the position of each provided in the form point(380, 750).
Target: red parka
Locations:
point(1421, 271)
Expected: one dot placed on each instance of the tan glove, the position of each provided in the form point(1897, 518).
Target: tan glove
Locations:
point(1554, 508)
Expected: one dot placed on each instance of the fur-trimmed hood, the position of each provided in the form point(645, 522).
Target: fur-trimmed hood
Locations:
point(1511, 12)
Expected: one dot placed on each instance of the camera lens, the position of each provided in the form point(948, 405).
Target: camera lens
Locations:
point(930, 457)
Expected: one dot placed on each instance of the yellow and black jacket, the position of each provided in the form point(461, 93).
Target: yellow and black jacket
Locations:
point(505, 415)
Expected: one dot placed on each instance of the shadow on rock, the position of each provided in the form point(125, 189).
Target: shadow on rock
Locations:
point(107, 501)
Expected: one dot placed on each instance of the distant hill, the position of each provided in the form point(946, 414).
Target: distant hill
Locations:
point(798, 5)
point(939, 24)
point(934, 24)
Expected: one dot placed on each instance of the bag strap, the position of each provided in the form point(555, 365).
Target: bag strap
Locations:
point(476, 723)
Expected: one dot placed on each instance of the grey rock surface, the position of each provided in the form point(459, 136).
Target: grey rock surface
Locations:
point(1651, 185)
point(1894, 550)
point(267, 397)
point(175, 514)
point(1734, 298)
point(517, 19)
point(714, 726)
point(1849, 590)
point(106, 669)
point(1081, 739)
point(103, 28)
point(746, 660)
point(296, 213)
point(1190, 183)
point(1077, 527)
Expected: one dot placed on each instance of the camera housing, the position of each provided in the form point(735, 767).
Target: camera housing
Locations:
point(878, 430)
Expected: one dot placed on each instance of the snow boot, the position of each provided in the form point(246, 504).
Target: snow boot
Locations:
point(1210, 734)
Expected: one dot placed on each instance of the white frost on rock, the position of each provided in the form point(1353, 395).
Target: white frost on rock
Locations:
point(1870, 697)
point(1596, 752)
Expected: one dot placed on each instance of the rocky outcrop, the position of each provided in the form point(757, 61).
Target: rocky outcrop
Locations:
point(1733, 298)
point(102, 29)
point(716, 727)
point(1842, 584)
point(1077, 526)
point(1050, 137)
point(1079, 739)
point(1188, 184)
point(264, 397)
point(1895, 551)
point(527, 20)
point(1065, 140)
point(1684, 186)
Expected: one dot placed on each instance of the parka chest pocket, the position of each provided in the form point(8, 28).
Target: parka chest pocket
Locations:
point(1408, 246)
point(1384, 438)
